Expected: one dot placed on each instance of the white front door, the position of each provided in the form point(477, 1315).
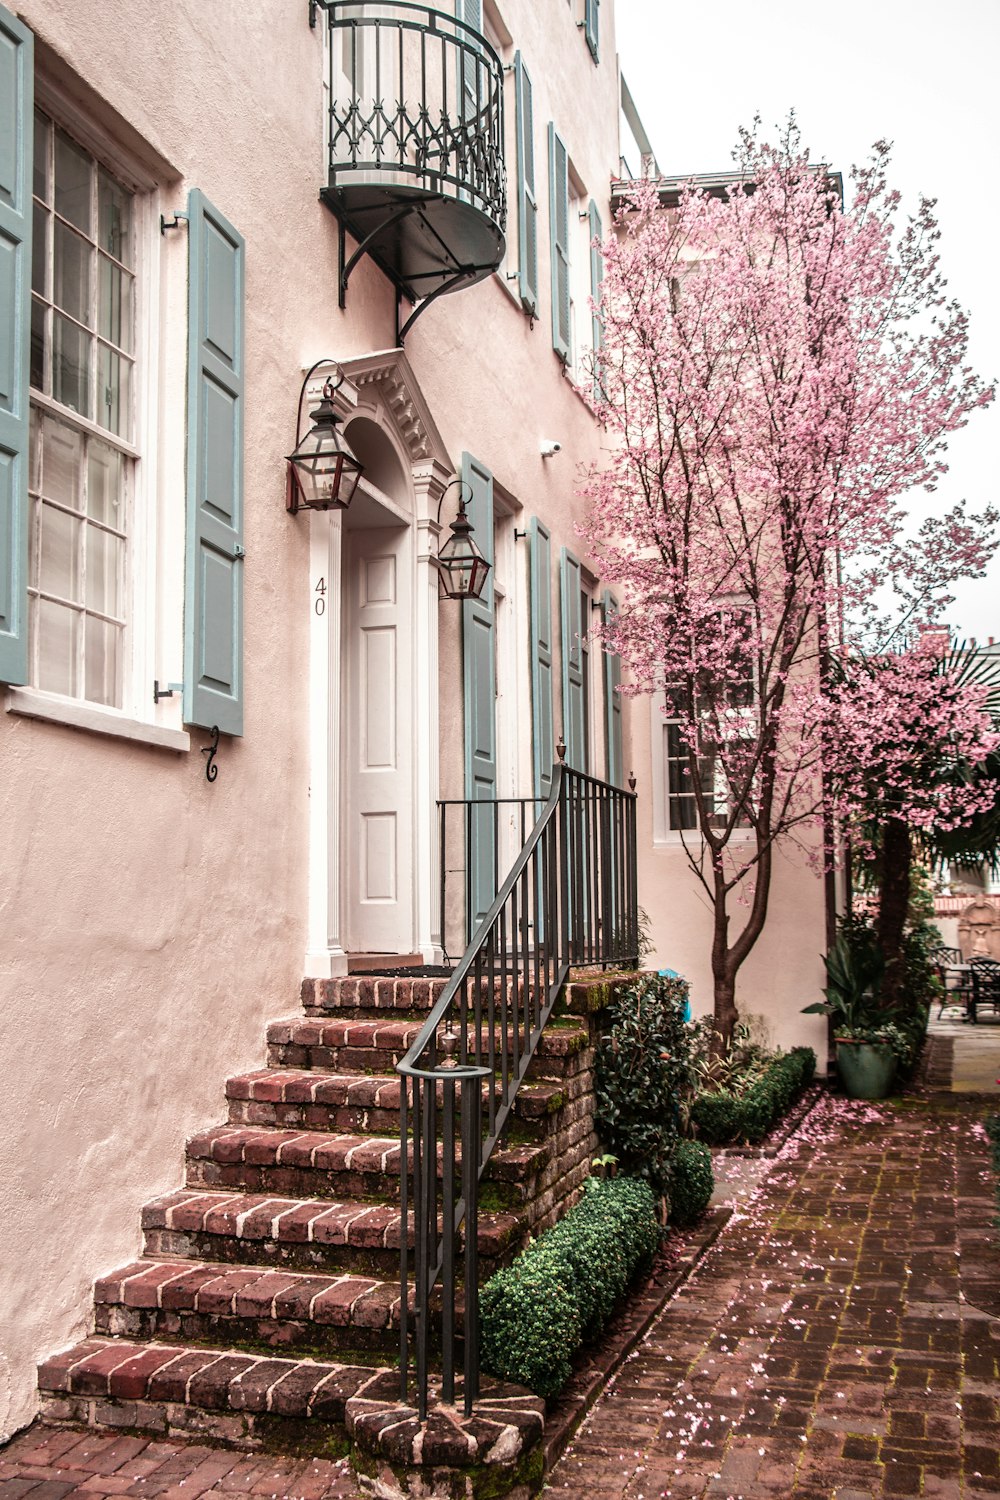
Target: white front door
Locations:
point(377, 786)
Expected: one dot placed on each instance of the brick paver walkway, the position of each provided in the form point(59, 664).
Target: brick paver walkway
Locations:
point(840, 1341)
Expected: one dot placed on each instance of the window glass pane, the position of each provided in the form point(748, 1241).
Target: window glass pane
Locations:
point(114, 384)
point(59, 554)
point(72, 194)
point(104, 568)
point(71, 274)
point(115, 304)
point(34, 450)
point(62, 462)
point(71, 366)
point(58, 647)
point(34, 522)
point(114, 207)
point(103, 654)
point(40, 185)
point(39, 249)
point(105, 487)
point(37, 376)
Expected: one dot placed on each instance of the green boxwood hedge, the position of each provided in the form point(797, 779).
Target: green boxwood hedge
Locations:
point(691, 1183)
point(561, 1291)
point(723, 1117)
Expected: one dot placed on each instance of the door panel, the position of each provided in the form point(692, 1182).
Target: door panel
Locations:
point(377, 788)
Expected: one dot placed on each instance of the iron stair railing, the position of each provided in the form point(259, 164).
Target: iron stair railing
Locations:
point(569, 899)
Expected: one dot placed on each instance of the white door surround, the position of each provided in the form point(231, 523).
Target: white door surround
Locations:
point(382, 549)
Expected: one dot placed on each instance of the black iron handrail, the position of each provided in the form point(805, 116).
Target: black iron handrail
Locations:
point(423, 101)
point(475, 815)
point(570, 898)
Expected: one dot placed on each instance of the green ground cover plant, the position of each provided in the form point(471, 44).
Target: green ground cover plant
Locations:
point(560, 1292)
point(746, 1108)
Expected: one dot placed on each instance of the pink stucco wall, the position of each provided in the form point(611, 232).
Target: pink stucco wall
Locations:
point(152, 922)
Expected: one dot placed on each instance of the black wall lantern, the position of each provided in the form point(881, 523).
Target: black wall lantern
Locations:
point(323, 472)
point(462, 568)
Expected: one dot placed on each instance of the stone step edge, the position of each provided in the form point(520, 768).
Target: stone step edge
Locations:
point(292, 1220)
point(306, 1086)
point(375, 1035)
point(338, 1151)
point(218, 1290)
point(217, 1380)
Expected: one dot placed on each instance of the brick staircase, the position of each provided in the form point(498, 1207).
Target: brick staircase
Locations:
point(268, 1293)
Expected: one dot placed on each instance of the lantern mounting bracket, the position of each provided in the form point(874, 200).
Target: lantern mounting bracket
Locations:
point(323, 472)
point(462, 569)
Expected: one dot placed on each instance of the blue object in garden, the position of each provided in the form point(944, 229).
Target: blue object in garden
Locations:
point(673, 974)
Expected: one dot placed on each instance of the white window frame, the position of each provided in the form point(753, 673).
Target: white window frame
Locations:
point(660, 721)
point(138, 718)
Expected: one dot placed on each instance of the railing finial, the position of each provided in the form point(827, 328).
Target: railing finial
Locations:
point(561, 750)
point(631, 781)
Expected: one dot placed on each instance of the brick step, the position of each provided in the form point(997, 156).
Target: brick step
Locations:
point(241, 1400)
point(318, 1234)
point(177, 1301)
point(318, 1164)
point(308, 1099)
point(369, 995)
point(377, 1046)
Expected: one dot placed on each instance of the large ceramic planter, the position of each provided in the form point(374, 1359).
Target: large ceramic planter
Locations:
point(866, 1069)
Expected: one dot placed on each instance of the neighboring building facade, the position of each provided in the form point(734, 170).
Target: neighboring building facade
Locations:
point(183, 276)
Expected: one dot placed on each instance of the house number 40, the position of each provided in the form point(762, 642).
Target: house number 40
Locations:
point(320, 591)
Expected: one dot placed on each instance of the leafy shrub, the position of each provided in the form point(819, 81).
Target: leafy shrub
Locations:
point(743, 1059)
point(643, 1069)
point(692, 1182)
point(725, 1116)
point(561, 1290)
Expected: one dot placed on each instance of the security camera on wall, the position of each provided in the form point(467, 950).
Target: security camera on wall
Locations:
point(550, 446)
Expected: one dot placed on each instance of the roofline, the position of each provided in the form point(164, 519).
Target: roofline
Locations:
point(715, 184)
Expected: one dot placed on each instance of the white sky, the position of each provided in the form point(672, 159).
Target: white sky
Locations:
point(924, 76)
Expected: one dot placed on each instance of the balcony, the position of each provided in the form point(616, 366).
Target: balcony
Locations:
point(416, 168)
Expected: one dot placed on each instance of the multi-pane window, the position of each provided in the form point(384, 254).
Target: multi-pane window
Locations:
point(81, 474)
point(725, 727)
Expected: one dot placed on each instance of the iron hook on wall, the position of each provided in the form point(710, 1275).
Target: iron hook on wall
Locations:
point(211, 769)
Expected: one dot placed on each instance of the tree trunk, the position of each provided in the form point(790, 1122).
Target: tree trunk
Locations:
point(894, 901)
point(725, 1015)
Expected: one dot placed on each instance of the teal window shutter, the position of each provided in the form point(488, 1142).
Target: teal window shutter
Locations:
point(479, 682)
point(592, 27)
point(574, 674)
point(559, 242)
point(16, 136)
point(596, 277)
point(527, 202)
point(543, 740)
point(213, 606)
point(612, 698)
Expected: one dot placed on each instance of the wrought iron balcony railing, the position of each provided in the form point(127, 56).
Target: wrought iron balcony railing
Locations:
point(416, 162)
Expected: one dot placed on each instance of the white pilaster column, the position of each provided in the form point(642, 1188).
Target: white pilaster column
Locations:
point(430, 480)
point(325, 957)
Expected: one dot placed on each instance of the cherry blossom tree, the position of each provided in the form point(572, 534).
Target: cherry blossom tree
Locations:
point(777, 372)
point(911, 760)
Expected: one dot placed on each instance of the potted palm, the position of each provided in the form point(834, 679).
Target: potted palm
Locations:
point(865, 1035)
